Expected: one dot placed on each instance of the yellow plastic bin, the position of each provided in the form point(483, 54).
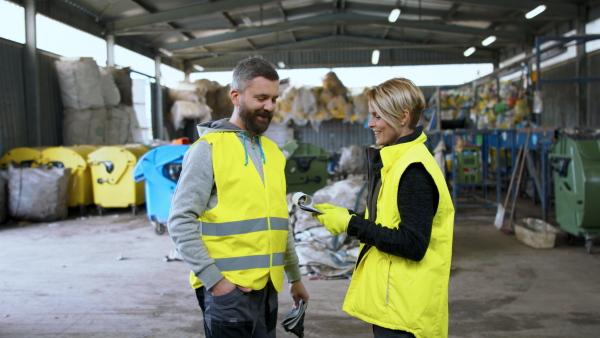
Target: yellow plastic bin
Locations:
point(25, 156)
point(112, 177)
point(80, 183)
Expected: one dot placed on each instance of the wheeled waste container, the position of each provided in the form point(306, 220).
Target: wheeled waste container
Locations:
point(305, 168)
point(112, 177)
point(576, 172)
point(160, 167)
point(80, 191)
point(24, 156)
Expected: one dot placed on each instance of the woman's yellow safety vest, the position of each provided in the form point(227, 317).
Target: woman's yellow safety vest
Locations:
point(398, 293)
point(246, 232)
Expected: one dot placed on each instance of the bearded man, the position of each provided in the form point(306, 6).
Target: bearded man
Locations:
point(229, 215)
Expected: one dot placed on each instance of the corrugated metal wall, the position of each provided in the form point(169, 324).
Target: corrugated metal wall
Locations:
point(50, 101)
point(13, 119)
point(559, 99)
point(334, 134)
point(13, 116)
point(594, 91)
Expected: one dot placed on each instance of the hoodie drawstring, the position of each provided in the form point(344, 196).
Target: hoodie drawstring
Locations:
point(245, 150)
point(262, 153)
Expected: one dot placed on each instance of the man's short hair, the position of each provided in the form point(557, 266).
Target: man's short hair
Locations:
point(251, 68)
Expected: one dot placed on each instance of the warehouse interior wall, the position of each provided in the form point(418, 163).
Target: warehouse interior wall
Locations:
point(594, 90)
point(13, 117)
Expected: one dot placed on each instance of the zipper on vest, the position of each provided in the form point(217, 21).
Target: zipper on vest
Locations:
point(269, 233)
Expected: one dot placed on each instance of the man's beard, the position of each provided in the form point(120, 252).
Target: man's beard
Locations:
point(250, 119)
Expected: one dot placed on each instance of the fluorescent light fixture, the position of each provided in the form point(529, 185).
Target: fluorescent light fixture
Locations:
point(394, 14)
point(375, 57)
point(165, 52)
point(280, 64)
point(198, 68)
point(247, 21)
point(535, 12)
point(489, 40)
point(469, 51)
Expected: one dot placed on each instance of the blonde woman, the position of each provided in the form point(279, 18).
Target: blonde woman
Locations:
point(400, 281)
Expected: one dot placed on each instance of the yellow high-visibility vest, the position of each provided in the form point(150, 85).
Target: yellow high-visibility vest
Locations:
point(398, 293)
point(246, 232)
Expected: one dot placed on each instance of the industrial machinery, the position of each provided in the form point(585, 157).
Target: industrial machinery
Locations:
point(305, 168)
point(576, 172)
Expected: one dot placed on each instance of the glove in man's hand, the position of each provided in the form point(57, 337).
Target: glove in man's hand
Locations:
point(335, 219)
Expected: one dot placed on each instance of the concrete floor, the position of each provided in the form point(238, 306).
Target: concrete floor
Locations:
point(63, 279)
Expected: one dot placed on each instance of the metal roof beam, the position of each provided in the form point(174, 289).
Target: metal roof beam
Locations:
point(339, 18)
point(527, 5)
point(182, 13)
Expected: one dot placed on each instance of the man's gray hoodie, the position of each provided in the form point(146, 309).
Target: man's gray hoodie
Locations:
point(196, 192)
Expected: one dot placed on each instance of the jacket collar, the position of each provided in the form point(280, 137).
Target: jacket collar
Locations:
point(390, 154)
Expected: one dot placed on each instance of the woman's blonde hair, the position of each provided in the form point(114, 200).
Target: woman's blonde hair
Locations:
point(393, 98)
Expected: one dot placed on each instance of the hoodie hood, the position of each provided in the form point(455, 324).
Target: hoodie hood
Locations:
point(206, 128)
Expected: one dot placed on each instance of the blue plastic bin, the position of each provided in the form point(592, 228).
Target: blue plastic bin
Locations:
point(160, 167)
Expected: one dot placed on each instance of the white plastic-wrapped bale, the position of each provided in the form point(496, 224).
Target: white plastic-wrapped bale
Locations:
point(80, 84)
point(38, 194)
point(350, 194)
point(303, 106)
point(188, 95)
point(284, 106)
point(360, 107)
point(124, 83)
point(84, 126)
point(316, 255)
point(110, 91)
point(319, 252)
point(118, 126)
point(353, 160)
point(182, 110)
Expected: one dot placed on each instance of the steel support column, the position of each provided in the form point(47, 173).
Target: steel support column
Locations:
point(110, 50)
point(31, 80)
point(158, 99)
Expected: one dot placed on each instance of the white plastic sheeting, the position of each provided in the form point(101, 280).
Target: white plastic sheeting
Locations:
point(319, 252)
point(38, 194)
point(353, 160)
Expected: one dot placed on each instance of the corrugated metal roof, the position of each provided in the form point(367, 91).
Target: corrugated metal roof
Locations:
point(211, 33)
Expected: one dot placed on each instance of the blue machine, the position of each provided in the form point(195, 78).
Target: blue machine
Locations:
point(160, 167)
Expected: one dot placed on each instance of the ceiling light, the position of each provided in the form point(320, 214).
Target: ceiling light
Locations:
point(469, 51)
point(165, 52)
point(375, 57)
point(280, 64)
point(394, 14)
point(247, 21)
point(489, 40)
point(536, 11)
point(198, 68)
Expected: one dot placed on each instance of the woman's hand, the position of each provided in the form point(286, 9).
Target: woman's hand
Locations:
point(335, 219)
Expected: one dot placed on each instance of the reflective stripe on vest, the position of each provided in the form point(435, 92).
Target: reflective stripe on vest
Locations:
point(249, 262)
point(242, 227)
